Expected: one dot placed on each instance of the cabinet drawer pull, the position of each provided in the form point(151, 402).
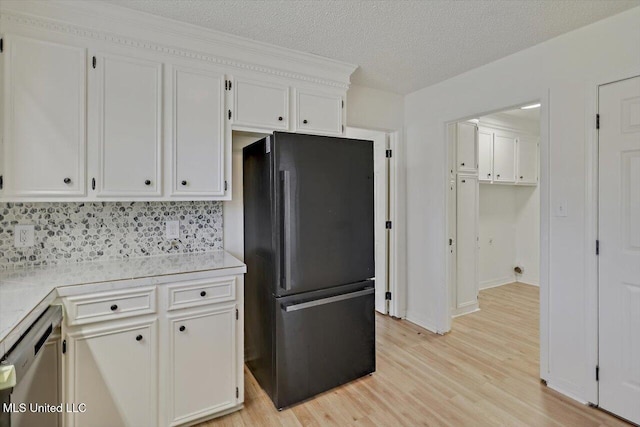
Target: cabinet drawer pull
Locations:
point(203, 293)
point(139, 338)
point(280, 118)
point(521, 177)
point(464, 180)
point(305, 121)
point(488, 174)
point(462, 164)
point(67, 180)
point(184, 183)
point(147, 182)
point(182, 328)
point(498, 175)
point(114, 307)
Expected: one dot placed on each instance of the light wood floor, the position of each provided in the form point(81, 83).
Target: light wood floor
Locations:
point(483, 373)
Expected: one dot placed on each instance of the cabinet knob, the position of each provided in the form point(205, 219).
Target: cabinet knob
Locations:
point(488, 174)
point(203, 294)
point(147, 182)
point(305, 121)
point(280, 118)
point(182, 328)
point(114, 307)
point(498, 175)
point(462, 164)
point(521, 177)
point(464, 180)
point(139, 338)
point(184, 183)
point(67, 180)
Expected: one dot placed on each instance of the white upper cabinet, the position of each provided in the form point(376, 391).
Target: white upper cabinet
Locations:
point(129, 119)
point(466, 155)
point(504, 152)
point(485, 155)
point(318, 112)
point(261, 105)
point(527, 160)
point(45, 118)
point(198, 133)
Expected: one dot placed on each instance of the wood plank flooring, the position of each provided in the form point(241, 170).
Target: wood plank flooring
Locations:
point(483, 373)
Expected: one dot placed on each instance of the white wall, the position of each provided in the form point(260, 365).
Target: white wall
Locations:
point(374, 109)
point(527, 226)
point(563, 71)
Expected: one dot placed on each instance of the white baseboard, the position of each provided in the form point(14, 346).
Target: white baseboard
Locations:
point(496, 282)
point(423, 323)
point(461, 311)
point(529, 281)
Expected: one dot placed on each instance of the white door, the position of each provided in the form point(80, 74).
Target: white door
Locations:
point(467, 244)
point(504, 158)
point(198, 133)
point(114, 372)
point(129, 125)
point(45, 118)
point(527, 160)
point(202, 365)
point(380, 182)
point(485, 155)
point(318, 113)
point(466, 147)
point(260, 105)
point(619, 260)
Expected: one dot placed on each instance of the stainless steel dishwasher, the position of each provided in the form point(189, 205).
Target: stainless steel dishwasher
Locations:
point(30, 375)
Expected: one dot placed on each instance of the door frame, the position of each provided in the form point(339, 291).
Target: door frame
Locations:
point(444, 314)
point(394, 307)
point(592, 170)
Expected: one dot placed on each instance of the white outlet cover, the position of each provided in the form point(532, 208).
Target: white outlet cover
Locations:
point(23, 235)
point(172, 229)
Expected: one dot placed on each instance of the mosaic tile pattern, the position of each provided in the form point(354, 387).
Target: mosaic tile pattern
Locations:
point(79, 232)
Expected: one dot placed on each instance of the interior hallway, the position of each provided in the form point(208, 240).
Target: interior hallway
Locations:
point(483, 373)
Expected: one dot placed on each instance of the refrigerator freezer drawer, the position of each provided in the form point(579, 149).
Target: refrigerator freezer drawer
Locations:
point(323, 341)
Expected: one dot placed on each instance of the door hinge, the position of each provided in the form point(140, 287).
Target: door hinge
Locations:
point(597, 373)
point(1, 45)
point(450, 242)
point(225, 185)
point(597, 121)
point(230, 84)
point(342, 128)
point(64, 346)
point(597, 247)
point(1, 182)
point(226, 85)
point(229, 114)
point(387, 296)
point(93, 183)
point(388, 225)
point(343, 103)
point(237, 393)
point(94, 62)
point(237, 314)
point(388, 154)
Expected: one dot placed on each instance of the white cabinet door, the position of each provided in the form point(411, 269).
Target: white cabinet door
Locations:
point(467, 244)
point(198, 133)
point(466, 147)
point(44, 116)
point(504, 160)
point(485, 155)
point(113, 371)
point(129, 117)
point(527, 160)
point(318, 113)
point(260, 105)
point(202, 363)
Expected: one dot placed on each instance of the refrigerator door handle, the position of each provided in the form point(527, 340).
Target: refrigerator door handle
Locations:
point(328, 300)
point(286, 189)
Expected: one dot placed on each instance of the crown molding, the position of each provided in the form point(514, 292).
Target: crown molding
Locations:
point(97, 21)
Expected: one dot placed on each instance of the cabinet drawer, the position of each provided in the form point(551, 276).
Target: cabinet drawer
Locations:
point(201, 292)
point(109, 306)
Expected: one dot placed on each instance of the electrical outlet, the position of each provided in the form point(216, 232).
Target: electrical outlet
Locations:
point(23, 236)
point(172, 230)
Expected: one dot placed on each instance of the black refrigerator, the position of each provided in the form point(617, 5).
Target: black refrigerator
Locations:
point(309, 251)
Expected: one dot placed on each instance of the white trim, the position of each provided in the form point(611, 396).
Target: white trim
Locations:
point(494, 283)
point(92, 20)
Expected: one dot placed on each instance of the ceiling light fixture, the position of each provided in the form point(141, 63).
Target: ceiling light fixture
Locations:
point(529, 107)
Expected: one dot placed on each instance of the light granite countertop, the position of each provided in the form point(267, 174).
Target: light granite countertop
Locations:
point(26, 293)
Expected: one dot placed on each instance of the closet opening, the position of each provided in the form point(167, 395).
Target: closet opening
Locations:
point(494, 227)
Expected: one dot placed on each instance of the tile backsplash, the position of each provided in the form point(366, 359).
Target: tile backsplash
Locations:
point(79, 232)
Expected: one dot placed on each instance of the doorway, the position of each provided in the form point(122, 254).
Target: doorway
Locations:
point(618, 248)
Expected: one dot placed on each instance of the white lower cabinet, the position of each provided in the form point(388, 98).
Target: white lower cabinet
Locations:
point(112, 369)
point(202, 363)
point(134, 362)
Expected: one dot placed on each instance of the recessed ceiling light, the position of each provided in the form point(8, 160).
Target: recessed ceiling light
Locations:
point(529, 107)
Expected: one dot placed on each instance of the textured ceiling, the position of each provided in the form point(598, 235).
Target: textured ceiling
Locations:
point(400, 46)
